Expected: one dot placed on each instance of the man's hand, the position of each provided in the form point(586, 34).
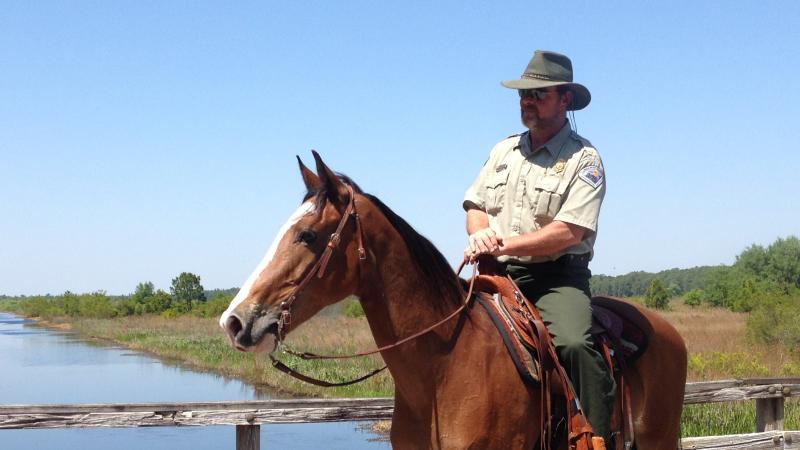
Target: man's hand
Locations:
point(482, 242)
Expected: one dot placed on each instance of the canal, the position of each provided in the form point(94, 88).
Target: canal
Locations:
point(38, 365)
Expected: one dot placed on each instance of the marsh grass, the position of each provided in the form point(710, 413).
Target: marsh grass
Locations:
point(731, 418)
point(200, 344)
point(718, 347)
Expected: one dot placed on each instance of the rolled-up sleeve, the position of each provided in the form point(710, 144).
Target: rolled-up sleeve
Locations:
point(584, 196)
point(475, 197)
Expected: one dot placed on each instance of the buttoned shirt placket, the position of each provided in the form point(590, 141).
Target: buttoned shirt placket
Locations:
point(531, 161)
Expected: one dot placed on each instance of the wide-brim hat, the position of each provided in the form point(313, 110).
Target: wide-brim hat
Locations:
point(551, 69)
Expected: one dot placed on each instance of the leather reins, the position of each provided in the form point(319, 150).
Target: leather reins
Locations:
point(318, 269)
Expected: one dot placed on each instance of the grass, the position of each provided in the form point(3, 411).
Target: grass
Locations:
point(716, 340)
point(731, 418)
point(199, 343)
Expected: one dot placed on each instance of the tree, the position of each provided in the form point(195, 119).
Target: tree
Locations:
point(72, 304)
point(186, 288)
point(784, 262)
point(96, 305)
point(695, 297)
point(753, 260)
point(656, 296)
point(158, 302)
point(673, 290)
point(143, 290)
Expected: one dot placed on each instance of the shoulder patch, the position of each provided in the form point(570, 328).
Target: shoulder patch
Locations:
point(593, 175)
point(514, 135)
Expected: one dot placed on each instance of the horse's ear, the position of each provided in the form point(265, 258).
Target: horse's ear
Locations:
point(336, 190)
point(311, 179)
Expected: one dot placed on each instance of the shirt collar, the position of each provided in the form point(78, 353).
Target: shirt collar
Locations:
point(553, 146)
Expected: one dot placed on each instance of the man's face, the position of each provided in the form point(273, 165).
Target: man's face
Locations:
point(543, 108)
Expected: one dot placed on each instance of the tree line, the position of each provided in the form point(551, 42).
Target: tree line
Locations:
point(764, 282)
point(676, 281)
point(186, 296)
point(758, 273)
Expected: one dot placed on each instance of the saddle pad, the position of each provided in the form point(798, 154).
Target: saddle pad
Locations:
point(522, 353)
point(624, 323)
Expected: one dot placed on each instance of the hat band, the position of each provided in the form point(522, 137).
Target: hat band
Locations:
point(539, 76)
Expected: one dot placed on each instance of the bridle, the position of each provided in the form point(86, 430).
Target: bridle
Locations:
point(321, 265)
point(318, 270)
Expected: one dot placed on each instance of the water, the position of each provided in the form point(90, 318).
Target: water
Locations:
point(42, 366)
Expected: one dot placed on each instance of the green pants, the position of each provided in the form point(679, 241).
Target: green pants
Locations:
point(560, 290)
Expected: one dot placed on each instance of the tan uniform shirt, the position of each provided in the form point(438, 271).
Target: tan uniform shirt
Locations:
point(522, 190)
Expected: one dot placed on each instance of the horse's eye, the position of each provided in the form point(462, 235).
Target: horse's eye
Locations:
point(306, 236)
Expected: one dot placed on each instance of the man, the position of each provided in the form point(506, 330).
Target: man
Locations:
point(534, 206)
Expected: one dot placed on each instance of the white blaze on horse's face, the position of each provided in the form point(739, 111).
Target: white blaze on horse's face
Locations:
point(304, 210)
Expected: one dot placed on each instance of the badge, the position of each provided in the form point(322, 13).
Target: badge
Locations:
point(560, 165)
point(592, 175)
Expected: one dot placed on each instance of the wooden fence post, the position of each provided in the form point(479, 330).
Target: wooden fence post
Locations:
point(769, 414)
point(248, 437)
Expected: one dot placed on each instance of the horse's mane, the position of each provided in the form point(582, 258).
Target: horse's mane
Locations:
point(439, 276)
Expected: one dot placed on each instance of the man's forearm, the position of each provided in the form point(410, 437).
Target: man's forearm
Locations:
point(477, 219)
point(552, 238)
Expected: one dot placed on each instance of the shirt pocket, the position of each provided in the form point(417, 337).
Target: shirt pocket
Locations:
point(496, 186)
point(546, 199)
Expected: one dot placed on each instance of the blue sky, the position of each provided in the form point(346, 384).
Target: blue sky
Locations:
point(141, 139)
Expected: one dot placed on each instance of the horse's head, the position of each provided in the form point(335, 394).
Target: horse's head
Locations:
point(312, 262)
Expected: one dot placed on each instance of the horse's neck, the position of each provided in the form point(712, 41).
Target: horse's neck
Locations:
point(397, 305)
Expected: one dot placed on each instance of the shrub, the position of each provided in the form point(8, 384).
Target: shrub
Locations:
point(127, 307)
point(44, 307)
point(772, 321)
point(695, 297)
point(72, 304)
point(96, 305)
point(214, 307)
point(656, 296)
point(156, 303)
point(737, 364)
point(171, 313)
point(791, 369)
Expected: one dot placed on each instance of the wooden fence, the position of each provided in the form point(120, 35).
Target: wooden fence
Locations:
point(247, 416)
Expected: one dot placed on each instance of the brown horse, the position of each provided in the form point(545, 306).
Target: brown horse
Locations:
point(456, 387)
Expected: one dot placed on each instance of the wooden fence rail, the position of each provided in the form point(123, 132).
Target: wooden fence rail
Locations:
point(247, 416)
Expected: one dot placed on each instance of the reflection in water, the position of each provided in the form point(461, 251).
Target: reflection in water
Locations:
point(41, 366)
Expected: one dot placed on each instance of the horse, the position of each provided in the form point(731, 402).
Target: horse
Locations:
point(456, 387)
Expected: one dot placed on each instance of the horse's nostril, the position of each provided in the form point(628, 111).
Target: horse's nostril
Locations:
point(233, 326)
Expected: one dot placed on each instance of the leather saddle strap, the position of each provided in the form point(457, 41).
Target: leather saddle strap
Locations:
point(580, 429)
point(625, 408)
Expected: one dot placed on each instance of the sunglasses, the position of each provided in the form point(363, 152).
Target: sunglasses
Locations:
point(538, 94)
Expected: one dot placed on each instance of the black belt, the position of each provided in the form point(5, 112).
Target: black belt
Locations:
point(582, 259)
point(568, 260)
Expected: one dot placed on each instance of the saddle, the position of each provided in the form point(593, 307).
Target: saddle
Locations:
point(619, 331)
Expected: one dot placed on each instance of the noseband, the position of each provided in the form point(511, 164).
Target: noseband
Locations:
point(319, 267)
